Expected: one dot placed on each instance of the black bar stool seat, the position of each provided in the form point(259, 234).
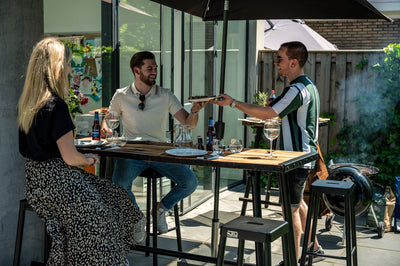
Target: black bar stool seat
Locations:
point(151, 202)
point(346, 189)
point(256, 229)
point(23, 207)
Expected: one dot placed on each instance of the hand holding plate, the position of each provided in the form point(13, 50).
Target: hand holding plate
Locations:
point(222, 100)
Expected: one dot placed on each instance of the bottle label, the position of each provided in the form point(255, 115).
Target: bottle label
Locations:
point(96, 134)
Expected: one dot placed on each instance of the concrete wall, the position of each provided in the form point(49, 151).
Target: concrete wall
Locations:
point(21, 26)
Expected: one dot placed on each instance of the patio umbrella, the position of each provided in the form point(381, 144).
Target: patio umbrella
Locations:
point(278, 31)
point(211, 10)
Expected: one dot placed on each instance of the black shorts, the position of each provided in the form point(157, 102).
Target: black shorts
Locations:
point(297, 181)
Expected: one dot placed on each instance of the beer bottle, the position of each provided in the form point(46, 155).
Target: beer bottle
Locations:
point(210, 134)
point(200, 143)
point(96, 127)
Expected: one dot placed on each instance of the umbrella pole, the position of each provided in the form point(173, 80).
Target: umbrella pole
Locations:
point(219, 130)
point(220, 125)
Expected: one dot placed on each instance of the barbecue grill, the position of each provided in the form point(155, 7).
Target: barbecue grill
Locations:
point(360, 175)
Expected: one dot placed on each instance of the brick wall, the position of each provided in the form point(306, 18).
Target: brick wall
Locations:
point(358, 34)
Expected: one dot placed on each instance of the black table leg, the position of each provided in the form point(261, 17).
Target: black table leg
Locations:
point(257, 210)
point(249, 183)
point(283, 181)
point(257, 139)
point(215, 220)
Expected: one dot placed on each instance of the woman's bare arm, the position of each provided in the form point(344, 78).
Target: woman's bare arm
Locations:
point(71, 155)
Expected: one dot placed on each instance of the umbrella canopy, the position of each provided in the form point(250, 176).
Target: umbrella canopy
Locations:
point(211, 10)
point(278, 31)
point(283, 9)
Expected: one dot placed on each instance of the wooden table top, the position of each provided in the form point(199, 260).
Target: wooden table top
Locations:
point(248, 159)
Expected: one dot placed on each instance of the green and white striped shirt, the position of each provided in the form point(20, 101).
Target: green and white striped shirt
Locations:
point(298, 107)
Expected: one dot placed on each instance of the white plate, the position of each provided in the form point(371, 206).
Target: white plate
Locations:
point(83, 133)
point(202, 99)
point(89, 143)
point(254, 119)
point(251, 120)
point(186, 152)
point(137, 139)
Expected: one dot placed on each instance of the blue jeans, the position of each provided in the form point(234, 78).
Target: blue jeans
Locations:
point(126, 170)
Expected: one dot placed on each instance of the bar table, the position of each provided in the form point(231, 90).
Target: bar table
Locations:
point(249, 159)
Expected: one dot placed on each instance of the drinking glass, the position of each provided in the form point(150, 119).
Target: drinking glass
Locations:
point(168, 136)
point(111, 139)
point(236, 146)
point(271, 132)
point(182, 138)
point(218, 146)
point(122, 140)
point(112, 120)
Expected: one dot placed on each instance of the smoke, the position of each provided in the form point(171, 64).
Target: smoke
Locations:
point(360, 140)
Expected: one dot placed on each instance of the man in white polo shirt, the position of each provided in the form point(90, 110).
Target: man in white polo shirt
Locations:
point(143, 108)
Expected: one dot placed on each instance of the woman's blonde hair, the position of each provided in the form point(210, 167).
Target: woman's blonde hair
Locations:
point(46, 74)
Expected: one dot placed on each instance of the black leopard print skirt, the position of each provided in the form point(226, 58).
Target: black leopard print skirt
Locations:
point(90, 219)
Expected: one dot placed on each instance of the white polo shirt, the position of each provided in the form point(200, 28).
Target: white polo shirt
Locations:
point(152, 121)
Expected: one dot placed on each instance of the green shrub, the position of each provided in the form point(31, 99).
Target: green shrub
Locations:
point(375, 138)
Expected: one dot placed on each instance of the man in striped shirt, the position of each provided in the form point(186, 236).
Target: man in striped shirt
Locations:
point(298, 108)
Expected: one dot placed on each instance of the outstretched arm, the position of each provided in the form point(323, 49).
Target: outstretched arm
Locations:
point(191, 118)
point(250, 109)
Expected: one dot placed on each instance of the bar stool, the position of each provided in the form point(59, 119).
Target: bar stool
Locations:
point(345, 189)
point(256, 229)
point(151, 202)
point(23, 207)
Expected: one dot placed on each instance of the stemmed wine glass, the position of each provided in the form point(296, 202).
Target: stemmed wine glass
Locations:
point(112, 120)
point(271, 131)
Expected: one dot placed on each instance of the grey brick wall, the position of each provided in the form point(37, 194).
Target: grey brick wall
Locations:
point(358, 34)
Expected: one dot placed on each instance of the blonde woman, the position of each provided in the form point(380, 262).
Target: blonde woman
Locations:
point(91, 220)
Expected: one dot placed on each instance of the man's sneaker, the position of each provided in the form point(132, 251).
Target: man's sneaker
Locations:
point(162, 225)
point(319, 251)
point(139, 232)
point(397, 224)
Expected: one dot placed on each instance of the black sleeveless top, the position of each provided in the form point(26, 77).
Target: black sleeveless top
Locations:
point(51, 122)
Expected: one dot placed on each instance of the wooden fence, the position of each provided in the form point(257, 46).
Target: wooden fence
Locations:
point(339, 81)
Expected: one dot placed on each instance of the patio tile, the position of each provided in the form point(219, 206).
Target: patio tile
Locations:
point(196, 236)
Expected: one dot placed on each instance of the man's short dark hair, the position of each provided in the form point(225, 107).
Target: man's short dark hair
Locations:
point(137, 59)
point(296, 50)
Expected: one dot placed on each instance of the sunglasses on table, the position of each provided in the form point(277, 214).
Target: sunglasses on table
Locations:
point(141, 105)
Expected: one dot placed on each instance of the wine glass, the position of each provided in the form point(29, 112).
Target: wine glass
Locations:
point(236, 146)
point(112, 120)
point(271, 131)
